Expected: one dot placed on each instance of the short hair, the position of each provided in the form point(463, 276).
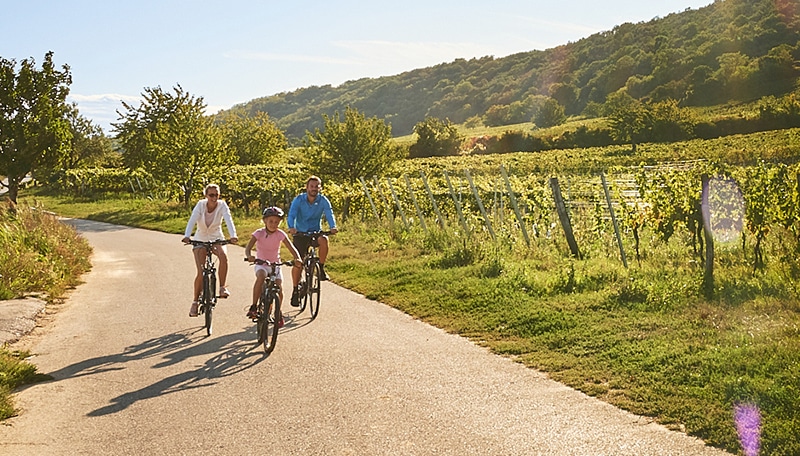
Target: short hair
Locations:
point(314, 178)
point(215, 186)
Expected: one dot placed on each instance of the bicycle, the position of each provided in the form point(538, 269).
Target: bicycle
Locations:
point(268, 309)
point(208, 293)
point(309, 286)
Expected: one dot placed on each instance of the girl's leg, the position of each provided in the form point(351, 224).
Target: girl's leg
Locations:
point(258, 285)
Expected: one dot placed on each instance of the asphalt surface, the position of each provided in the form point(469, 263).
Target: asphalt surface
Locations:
point(134, 375)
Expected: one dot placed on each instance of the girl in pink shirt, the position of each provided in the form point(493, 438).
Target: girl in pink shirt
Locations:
point(267, 242)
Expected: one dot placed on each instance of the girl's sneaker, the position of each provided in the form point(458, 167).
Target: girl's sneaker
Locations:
point(252, 314)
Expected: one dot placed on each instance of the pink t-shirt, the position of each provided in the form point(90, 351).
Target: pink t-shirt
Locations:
point(268, 246)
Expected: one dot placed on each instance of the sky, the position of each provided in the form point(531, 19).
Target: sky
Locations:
point(232, 51)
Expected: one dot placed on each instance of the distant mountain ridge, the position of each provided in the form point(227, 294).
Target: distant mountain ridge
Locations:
point(729, 50)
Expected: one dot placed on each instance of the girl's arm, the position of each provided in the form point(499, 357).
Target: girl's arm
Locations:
point(249, 246)
point(291, 248)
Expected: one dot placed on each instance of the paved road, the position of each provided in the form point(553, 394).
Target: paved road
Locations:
point(134, 375)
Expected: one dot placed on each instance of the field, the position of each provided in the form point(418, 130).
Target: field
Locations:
point(644, 337)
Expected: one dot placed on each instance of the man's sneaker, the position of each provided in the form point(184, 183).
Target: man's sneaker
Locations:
point(295, 302)
point(252, 314)
point(322, 275)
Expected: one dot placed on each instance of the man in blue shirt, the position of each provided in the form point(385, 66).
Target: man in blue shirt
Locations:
point(305, 215)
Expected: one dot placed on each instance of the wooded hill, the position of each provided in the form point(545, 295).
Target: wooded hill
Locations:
point(731, 50)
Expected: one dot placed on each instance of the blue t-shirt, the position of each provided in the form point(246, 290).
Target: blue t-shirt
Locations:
point(305, 216)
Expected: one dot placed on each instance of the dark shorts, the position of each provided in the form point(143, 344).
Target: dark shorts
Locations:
point(303, 243)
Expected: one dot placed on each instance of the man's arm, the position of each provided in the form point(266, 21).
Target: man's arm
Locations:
point(328, 211)
point(291, 217)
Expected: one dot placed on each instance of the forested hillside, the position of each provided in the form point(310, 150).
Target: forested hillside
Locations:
point(729, 50)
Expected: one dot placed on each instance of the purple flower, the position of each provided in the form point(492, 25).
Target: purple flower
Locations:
point(748, 425)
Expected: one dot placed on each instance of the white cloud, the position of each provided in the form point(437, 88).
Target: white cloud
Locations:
point(102, 109)
point(407, 54)
point(273, 57)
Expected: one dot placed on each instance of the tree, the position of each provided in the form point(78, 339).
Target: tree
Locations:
point(169, 135)
point(255, 140)
point(351, 147)
point(436, 138)
point(629, 122)
point(89, 145)
point(34, 131)
point(550, 114)
point(670, 122)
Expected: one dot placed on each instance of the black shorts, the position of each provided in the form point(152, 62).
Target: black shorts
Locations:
point(303, 243)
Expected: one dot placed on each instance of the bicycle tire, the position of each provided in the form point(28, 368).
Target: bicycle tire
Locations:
point(268, 323)
point(314, 285)
point(301, 300)
point(206, 303)
point(260, 312)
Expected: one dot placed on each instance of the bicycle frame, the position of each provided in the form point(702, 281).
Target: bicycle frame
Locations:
point(269, 306)
point(208, 292)
point(310, 278)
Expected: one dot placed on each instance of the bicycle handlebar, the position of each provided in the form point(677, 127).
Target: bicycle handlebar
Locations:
point(209, 243)
point(312, 233)
point(269, 263)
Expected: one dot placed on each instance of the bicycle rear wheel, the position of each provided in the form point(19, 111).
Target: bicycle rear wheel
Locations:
point(207, 303)
point(269, 318)
point(313, 286)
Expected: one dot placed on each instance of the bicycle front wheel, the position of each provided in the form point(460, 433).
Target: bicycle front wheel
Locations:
point(313, 285)
point(269, 319)
point(207, 303)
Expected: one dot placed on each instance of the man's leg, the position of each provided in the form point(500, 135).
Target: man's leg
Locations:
point(323, 255)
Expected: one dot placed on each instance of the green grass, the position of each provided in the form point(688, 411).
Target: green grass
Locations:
point(643, 339)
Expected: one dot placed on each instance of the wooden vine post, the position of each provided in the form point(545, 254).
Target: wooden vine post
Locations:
point(397, 202)
point(416, 206)
point(614, 220)
point(439, 217)
point(564, 217)
point(705, 213)
point(385, 201)
point(369, 197)
point(514, 205)
point(480, 204)
point(457, 203)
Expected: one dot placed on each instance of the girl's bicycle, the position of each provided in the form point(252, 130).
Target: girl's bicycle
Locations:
point(309, 286)
point(268, 317)
point(208, 293)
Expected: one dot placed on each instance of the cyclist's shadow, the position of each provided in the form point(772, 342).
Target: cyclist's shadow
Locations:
point(231, 352)
point(147, 349)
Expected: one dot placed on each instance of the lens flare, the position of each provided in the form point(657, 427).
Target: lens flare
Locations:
point(726, 205)
point(748, 424)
